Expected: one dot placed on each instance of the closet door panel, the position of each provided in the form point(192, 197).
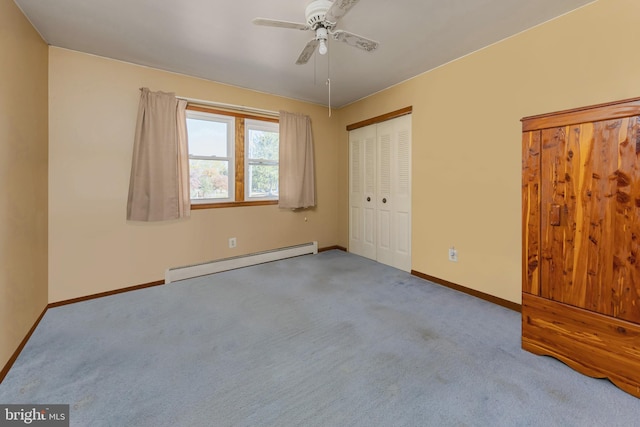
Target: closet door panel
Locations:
point(384, 199)
point(401, 171)
point(369, 200)
point(362, 192)
point(403, 237)
point(356, 193)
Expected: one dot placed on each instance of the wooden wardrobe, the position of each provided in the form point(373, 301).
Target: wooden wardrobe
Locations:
point(581, 239)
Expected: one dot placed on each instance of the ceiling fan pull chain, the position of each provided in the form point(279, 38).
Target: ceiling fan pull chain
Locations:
point(329, 84)
point(315, 67)
point(329, 80)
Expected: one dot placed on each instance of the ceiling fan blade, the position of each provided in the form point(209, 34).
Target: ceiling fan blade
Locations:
point(355, 40)
point(307, 52)
point(338, 9)
point(281, 24)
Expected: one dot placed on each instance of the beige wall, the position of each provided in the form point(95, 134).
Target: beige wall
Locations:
point(466, 157)
point(23, 178)
point(92, 248)
point(467, 135)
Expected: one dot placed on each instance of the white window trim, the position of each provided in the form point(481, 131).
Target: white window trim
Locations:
point(231, 168)
point(259, 125)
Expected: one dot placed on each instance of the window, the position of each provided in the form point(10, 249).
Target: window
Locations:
point(261, 148)
point(211, 153)
point(233, 158)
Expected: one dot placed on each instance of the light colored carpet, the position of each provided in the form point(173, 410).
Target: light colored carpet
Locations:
point(321, 340)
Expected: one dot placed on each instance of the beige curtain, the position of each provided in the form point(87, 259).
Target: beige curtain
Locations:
point(297, 170)
point(159, 183)
point(184, 193)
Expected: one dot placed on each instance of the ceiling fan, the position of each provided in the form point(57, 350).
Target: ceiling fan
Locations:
point(322, 18)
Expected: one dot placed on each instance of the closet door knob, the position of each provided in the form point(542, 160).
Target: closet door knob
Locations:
point(368, 199)
point(384, 200)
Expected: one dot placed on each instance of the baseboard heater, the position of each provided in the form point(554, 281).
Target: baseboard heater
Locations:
point(189, 271)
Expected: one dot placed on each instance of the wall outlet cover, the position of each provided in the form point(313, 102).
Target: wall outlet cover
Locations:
point(453, 254)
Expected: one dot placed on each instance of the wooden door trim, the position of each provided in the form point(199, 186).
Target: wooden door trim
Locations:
point(380, 119)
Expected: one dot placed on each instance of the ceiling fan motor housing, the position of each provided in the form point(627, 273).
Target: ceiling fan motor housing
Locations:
point(315, 13)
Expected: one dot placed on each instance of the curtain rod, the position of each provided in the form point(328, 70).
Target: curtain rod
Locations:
point(231, 107)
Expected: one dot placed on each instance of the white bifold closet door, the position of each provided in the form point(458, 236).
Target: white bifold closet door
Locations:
point(380, 192)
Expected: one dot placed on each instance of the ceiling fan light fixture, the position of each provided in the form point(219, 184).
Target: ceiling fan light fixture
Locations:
point(321, 36)
point(322, 49)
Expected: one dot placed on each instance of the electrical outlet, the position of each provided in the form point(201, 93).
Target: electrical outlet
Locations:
point(232, 242)
point(453, 254)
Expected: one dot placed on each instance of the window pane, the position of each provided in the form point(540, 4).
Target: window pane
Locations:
point(207, 137)
point(209, 179)
point(263, 144)
point(263, 180)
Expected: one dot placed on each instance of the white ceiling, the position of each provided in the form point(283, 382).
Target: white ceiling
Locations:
point(216, 40)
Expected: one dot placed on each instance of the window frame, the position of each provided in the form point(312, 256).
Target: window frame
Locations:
point(239, 156)
point(265, 126)
point(229, 158)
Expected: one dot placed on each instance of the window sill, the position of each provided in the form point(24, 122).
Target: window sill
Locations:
point(196, 206)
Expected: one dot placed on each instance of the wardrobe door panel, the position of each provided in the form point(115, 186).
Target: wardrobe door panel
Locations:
point(626, 263)
point(564, 255)
point(531, 212)
point(588, 217)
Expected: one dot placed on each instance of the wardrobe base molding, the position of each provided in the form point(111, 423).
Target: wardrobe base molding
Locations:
point(593, 344)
